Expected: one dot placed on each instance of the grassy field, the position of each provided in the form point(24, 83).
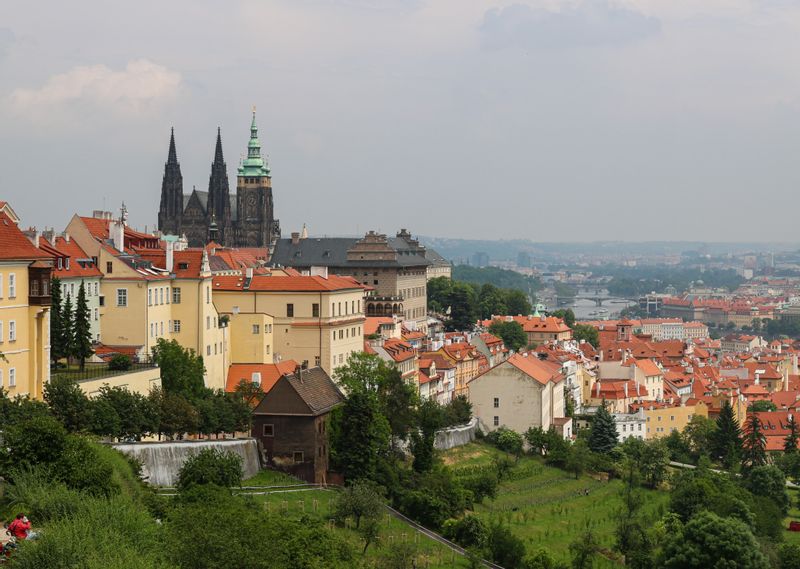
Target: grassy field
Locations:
point(794, 515)
point(318, 503)
point(547, 507)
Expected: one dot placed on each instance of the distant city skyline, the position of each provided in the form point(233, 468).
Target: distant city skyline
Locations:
point(577, 121)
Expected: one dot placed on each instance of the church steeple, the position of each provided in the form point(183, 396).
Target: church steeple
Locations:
point(219, 201)
point(254, 165)
point(171, 207)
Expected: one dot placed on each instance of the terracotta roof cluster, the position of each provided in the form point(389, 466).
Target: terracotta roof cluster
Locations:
point(263, 283)
point(267, 374)
point(14, 245)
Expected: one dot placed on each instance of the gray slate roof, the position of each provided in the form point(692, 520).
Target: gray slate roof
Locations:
point(332, 252)
point(204, 201)
point(316, 389)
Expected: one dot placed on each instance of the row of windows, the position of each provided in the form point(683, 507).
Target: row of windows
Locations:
point(353, 332)
point(157, 328)
point(217, 348)
point(12, 377)
point(92, 289)
point(12, 285)
point(12, 331)
point(412, 292)
point(267, 328)
point(625, 427)
point(354, 307)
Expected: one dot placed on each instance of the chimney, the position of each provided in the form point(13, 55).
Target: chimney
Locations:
point(295, 238)
point(626, 389)
point(248, 272)
point(758, 378)
point(598, 388)
point(170, 256)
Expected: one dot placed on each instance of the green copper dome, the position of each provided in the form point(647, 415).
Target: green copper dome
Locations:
point(254, 165)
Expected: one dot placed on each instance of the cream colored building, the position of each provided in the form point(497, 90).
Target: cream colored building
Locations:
point(520, 393)
point(662, 420)
point(24, 310)
point(148, 293)
point(316, 319)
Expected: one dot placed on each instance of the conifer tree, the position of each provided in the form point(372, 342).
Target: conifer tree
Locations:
point(727, 439)
point(754, 451)
point(67, 326)
point(81, 329)
point(603, 434)
point(790, 442)
point(58, 349)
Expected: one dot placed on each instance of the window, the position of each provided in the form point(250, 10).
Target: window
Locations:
point(176, 325)
point(340, 309)
point(122, 297)
point(96, 289)
point(96, 314)
point(149, 297)
point(640, 426)
point(72, 289)
point(353, 306)
point(315, 310)
point(269, 430)
point(290, 310)
point(60, 263)
point(317, 361)
point(215, 348)
point(152, 330)
point(208, 322)
point(672, 417)
point(298, 456)
point(1, 331)
point(333, 309)
point(167, 295)
point(341, 334)
point(161, 296)
point(176, 295)
point(256, 329)
point(208, 295)
point(12, 377)
point(496, 402)
point(109, 267)
point(208, 350)
point(161, 327)
point(268, 348)
point(12, 331)
point(12, 285)
point(341, 358)
point(496, 421)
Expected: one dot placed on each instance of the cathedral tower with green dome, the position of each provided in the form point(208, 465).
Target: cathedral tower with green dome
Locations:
point(244, 220)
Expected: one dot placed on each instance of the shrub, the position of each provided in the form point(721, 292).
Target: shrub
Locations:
point(211, 466)
point(505, 548)
point(468, 532)
point(120, 362)
point(506, 440)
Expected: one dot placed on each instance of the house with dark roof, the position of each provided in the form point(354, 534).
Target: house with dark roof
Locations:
point(291, 422)
point(395, 268)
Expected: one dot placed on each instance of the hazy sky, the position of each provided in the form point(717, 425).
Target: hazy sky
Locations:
point(554, 121)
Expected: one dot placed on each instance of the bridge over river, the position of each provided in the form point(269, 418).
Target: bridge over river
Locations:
point(586, 303)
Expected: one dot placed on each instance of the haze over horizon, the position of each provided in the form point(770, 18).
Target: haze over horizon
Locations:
point(555, 121)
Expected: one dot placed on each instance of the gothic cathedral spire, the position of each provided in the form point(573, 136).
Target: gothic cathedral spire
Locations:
point(171, 207)
point(219, 201)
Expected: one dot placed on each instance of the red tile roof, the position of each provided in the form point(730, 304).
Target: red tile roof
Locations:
point(541, 370)
point(13, 243)
point(270, 373)
point(286, 284)
point(72, 250)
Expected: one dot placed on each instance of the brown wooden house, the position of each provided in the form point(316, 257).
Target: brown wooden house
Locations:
point(292, 423)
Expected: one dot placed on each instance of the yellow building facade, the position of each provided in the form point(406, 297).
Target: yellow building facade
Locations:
point(24, 311)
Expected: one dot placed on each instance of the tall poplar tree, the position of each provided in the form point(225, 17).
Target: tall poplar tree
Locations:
point(81, 329)
point(790, 442)
point(727, 439)
point(58, 349)
point(67, 326)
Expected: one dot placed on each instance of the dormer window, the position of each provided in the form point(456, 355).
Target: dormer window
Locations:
point(66, 261)
point(183, 266)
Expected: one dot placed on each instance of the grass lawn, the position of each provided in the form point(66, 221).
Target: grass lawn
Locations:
point(547, 507)
point(794, 515)
point(318, 503)
point(271, 478)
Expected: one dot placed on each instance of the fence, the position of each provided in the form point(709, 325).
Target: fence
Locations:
point(98, 371)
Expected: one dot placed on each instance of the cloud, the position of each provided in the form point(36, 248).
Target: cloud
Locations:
point(583, 24)
point(7, 38)
point(141, 84)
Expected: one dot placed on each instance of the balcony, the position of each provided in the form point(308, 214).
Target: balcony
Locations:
point(39, 286)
